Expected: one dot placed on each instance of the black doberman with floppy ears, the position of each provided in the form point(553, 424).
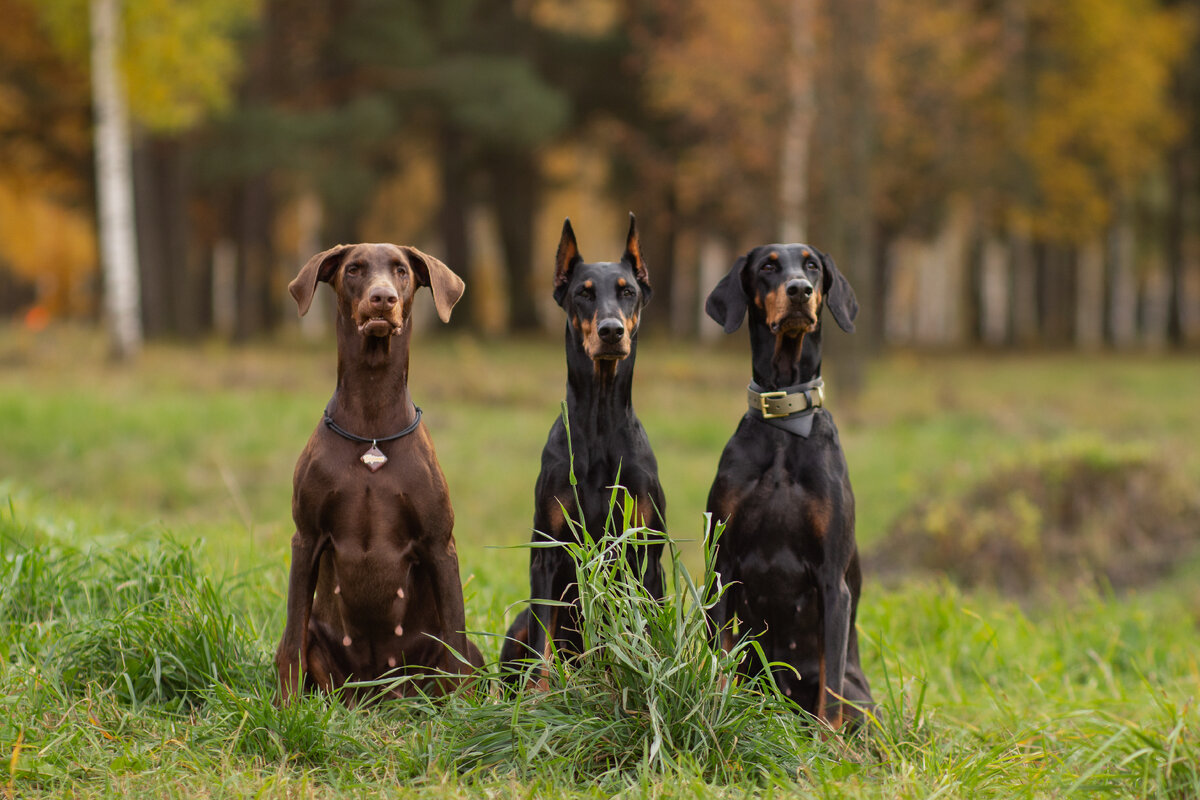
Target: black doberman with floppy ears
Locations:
point(604, 302)
point(788, 554)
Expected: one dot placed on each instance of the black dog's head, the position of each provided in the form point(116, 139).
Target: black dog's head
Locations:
point(375, 284)
point(784, 287)
point(603, 300)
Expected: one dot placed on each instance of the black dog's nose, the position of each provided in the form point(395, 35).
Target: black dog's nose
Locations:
point(610, 330)
point(383, 297)
point(801, 287)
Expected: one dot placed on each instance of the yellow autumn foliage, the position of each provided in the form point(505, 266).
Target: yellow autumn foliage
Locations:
point(52, 246)
point(179, 57)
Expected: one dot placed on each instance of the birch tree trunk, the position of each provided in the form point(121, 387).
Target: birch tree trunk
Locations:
point(797, 133)
point(114, 185)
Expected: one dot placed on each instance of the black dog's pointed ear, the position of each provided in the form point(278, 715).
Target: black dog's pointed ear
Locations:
point(446, 287)
point(564, 261)
point(633, 256)
point(839, 296)
point(726, 303)
point(320, 267)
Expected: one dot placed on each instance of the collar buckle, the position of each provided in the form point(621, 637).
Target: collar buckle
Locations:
point(764, 404)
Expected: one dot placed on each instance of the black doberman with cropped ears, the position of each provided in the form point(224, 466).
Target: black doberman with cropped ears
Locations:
point(787, 555)
point(604, 302)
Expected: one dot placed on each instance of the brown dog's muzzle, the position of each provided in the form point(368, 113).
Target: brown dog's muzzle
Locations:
point(379, 311)
point(791, 308)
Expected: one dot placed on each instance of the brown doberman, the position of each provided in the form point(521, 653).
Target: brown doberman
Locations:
point(374, 590)
point(604, 302)
point(788, 556)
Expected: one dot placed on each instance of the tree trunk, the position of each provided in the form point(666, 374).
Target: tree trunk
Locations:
point(850, 102)
point(1089, 296)
point(252, 223)
point(114, 184)
point(1024, 289)
point(309, 217)
point(452, 220)
point(1122, 286)
point(715, 259)
point(516, 186)
point(797, 130)
point(994, 313)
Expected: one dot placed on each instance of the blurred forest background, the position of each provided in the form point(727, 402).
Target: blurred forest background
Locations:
point(999, 173)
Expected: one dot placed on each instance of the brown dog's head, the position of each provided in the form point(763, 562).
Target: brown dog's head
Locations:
point(787, 285)
point(603, 300)
point(375, 284)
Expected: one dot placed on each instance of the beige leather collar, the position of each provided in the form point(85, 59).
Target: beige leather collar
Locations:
point(784, 403)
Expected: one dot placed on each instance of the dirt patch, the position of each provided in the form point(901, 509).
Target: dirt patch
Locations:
point(1054, 523)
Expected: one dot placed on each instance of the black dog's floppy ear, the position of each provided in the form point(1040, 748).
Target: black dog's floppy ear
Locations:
point(320, 267)
point(564, 261)
point(726, 303)
point(633, 255)
point(446, 287)
point(839, 297)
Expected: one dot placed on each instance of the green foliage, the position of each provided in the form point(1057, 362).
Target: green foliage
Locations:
point(179, 57)
point(499, 99)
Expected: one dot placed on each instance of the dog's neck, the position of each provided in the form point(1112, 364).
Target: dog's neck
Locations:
point(781, 361)
point(599, 394)
point(372, 381)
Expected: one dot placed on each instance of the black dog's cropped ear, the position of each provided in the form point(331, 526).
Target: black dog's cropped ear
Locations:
point(446, 287)
point(726, 303)
point(564, 261)
point(320, 267)
point(839, 297)
point(633, 256)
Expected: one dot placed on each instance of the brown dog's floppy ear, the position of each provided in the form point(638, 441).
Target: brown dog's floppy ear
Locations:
point(839, 297)
point(446, 287)
point(320, 267)
point(726, 303)
point(564, 261)
point(633, 255)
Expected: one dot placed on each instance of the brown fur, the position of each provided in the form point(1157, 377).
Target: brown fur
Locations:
point(374, 589)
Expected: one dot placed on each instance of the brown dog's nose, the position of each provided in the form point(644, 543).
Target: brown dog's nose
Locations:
point(382, 298)
point(610, 330)
point(799, 287)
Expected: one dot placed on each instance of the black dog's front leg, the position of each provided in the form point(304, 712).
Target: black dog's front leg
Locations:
point(836, 641)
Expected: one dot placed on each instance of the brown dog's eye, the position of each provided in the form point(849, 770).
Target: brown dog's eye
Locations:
point(353, 269)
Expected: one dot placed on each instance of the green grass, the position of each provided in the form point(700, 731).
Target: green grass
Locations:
point(144, 534)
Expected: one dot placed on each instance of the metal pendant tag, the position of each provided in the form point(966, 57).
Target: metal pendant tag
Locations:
point(373, 458)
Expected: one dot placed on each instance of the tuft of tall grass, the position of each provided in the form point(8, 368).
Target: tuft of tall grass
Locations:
point(648, 694)
point(150, 627)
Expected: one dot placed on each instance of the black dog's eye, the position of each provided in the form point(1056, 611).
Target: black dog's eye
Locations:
point(810, 264)
point(770, 266)
point(628, 291)
point(587, 292)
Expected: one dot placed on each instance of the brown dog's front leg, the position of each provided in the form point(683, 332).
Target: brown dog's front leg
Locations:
point(448, 590)
point(291, 657)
